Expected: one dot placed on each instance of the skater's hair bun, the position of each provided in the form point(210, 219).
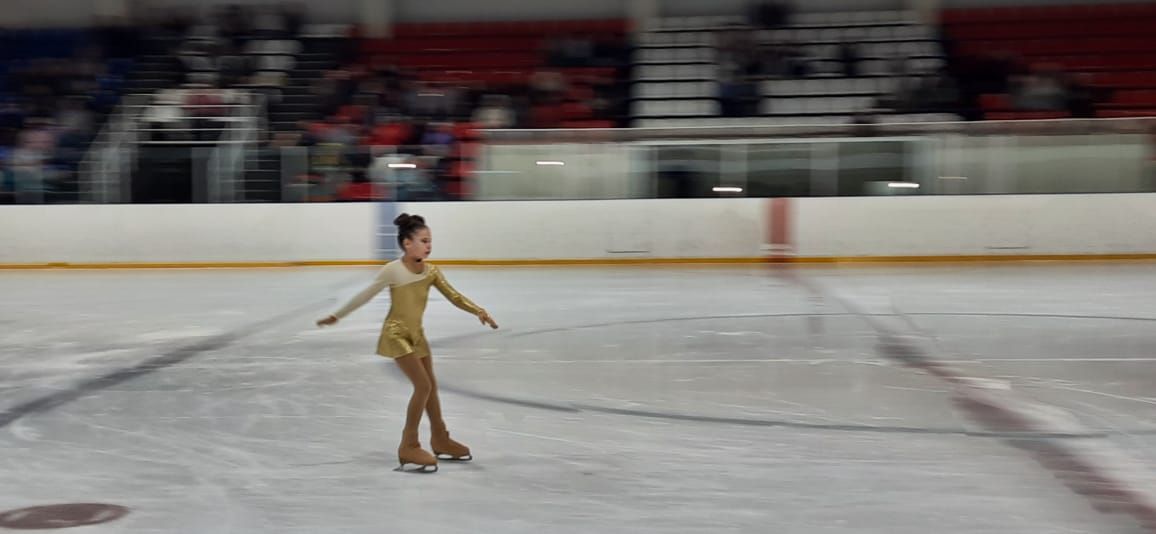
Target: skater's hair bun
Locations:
point(406, 219)
point(407, 225)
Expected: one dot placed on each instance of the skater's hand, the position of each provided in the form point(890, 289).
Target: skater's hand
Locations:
point(486, 319)
point(330, 320)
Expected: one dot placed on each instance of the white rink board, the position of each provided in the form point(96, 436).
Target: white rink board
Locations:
point(975, 225)
point(584, 230)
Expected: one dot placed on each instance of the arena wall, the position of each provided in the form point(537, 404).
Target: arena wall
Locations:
point(948, 228)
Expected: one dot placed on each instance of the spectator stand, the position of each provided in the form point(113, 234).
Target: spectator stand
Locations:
point(794, 68)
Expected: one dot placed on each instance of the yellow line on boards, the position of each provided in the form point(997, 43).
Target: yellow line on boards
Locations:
point(1000, 258)
point(978, 258)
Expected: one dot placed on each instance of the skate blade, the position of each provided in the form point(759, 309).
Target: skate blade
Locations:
point(417, 468)
point(451, 458)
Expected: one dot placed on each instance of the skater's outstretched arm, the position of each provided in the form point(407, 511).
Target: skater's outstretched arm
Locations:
point(460, 300)
point(380, 282)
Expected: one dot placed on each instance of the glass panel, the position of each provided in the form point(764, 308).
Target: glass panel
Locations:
point(933, 163)
point(687, 171)
point(562, 171)
point(875, 167)
point(779, 170)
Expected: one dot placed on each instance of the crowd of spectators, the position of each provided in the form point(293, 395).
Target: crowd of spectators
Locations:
point(55, 86)
point(388, 130)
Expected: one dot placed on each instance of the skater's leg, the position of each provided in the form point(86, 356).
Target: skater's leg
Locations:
point(413, 368)
point(410, 450)
point(441, 443)
point(433, 405)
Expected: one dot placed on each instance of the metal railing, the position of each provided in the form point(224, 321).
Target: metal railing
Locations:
point(707, 131)
point(991, 157)
point(107, 166)
point(235, 151)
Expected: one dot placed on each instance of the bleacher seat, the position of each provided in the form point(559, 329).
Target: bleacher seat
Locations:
point(676, 60)
point(1112, 41)
point(500, 56)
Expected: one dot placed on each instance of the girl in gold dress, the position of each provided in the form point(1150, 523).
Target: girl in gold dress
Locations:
point(402, 338)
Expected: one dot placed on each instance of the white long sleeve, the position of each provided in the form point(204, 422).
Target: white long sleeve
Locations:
point(380, 282)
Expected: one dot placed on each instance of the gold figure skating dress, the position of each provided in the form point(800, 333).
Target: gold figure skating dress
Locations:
point(402, 332)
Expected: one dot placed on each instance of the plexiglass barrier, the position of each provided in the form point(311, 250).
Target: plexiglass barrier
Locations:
point(886, 163)
point(1023, 157)
point(991, 157)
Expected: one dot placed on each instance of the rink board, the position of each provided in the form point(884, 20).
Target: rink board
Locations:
point(651, 231)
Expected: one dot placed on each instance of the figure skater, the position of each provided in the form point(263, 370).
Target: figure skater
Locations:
point(403, 339)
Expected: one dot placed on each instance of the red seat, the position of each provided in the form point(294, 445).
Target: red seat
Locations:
point(467, 60)
point(351, 113)
point(467, 150)
point(465, 130)
point(493, 77)
point(575, 111)
point(360, 192)
point(995, 102)
point(580, 92)
point(1137, 10)
point(430, 44)
point(1141, 97)
point(389, 135)
point(589, 73)
point(461, 169)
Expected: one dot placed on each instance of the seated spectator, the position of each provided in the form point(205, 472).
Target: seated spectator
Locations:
point(390, 131)
point(74, 116)
point(547, 86)
point(739, 96)
point(358, 189)
point(1083, 95)
point(7, 186)
point(28, 163)
point(850, 59)
point(293, 19)
point(438, 134)
point(1042, 90)
point(432, 101)
point(914, 94)
point(494, 113)
point(770, 15)
point(570, 51)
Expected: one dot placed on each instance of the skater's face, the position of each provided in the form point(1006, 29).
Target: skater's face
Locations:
point(419, 245)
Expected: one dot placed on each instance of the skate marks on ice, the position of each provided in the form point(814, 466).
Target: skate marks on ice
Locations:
point(209, 343)
point(1110, 479)
point(578, 407)
point(181, 354)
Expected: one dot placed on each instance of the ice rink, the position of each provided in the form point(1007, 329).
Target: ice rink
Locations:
point(613, 400)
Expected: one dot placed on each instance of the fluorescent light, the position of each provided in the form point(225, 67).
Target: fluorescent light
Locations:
point(557, 163)
point(952, 177)
point(402, 166)
point(903, 185)
point(728, 190)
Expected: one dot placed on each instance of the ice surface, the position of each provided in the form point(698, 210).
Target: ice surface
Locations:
point(612, 400)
